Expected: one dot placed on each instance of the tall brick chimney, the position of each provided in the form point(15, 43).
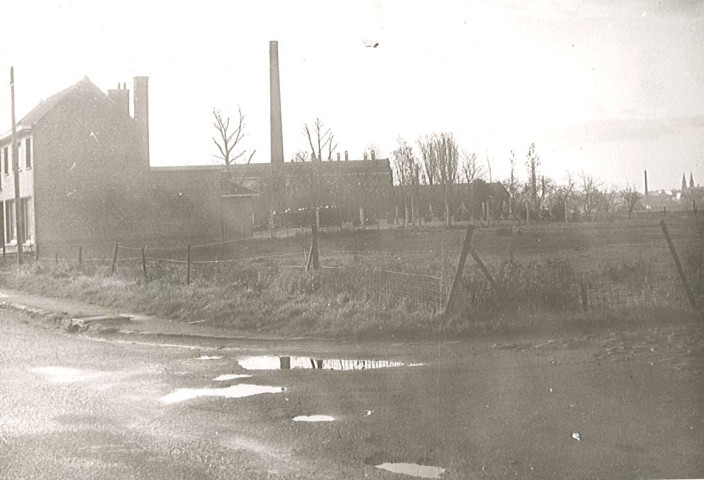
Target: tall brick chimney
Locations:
point(141, 112)
point(121, 97)
point(277, 141)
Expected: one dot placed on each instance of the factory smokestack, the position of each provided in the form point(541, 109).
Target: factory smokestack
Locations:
point(141, 112)
point(645, 178)
point(277, 141)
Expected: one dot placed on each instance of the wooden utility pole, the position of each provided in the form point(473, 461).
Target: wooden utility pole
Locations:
point(678, 264)
point(454, 290)
point(16, 172)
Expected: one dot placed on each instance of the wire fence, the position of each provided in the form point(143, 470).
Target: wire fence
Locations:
point(558, 267)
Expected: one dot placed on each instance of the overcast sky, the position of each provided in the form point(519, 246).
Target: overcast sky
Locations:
point(610, 88)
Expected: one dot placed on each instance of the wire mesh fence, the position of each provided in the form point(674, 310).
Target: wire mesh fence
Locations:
point(388, 288)
point(545, 267)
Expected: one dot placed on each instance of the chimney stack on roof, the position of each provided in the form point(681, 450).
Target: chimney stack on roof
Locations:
point(121, 97)
point(141, 112)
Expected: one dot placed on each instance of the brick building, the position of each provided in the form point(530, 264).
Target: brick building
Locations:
point(85, 177)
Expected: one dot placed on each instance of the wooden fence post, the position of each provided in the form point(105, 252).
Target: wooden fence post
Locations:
point(309, 258)
point(188, 265)
point(527, 215)
point(678, 264)
point(80, 255)
point(483, 268)
point(452, 298)
point(314, 243)
point(114, 260)
point(144, 266)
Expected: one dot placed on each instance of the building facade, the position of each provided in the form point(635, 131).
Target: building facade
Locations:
point(85, 177)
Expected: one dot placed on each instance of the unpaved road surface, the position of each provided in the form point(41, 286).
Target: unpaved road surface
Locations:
point(121, 406)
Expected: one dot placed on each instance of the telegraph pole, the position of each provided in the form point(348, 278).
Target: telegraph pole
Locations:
point(16, 171)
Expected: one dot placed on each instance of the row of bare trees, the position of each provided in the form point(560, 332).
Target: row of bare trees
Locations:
point(435, 163)
point(581, 196)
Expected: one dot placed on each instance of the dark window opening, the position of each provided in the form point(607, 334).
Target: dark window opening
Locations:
point(28, 153)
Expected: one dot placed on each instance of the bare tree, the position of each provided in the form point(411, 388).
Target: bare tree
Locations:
point(321, 141)
point(441, 161)
point(228, 139)
point(565, 192)
point(488, 166)
point(630, 198)
point(426, 145)
point(512, 185)
point(470, 169)
point(547, 191)
point(607, 200)
point(590, 192)
point(532, 165)
point(405, 170)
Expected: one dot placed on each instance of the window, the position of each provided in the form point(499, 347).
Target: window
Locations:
point(10, 220)
point(24, 212)
point(28, 152)
point(6, 160)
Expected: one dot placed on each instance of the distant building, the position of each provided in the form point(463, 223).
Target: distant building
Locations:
point(85, 177)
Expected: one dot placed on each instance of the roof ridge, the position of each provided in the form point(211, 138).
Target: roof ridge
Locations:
point(45, 105)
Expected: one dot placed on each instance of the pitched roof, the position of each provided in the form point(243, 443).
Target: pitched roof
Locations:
point(46, 105)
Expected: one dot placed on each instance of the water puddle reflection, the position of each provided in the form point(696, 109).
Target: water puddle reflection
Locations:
point(234, 376)
point(413, 469)
point(235, 391)
point(290, 363)
point(205, 357)
point(314, 418)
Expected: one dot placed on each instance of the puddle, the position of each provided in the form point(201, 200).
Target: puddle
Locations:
point(66, 374)
point(235, 391)
point(205, 357)
point(314, 418)
point(290, 363)
point(413, 469)
point(224, 378)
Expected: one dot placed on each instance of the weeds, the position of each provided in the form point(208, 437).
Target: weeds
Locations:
point(393, 283)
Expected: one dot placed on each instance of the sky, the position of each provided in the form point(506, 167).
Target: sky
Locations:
point(606, 88)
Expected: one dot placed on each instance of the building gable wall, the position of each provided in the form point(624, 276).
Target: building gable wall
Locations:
point(88, 170)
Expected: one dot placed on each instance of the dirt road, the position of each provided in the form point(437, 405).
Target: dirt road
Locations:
point(614, 404)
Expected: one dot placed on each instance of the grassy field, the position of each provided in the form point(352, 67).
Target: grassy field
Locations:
point(394, 281)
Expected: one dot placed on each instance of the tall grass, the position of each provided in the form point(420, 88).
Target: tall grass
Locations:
point(393, 282)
